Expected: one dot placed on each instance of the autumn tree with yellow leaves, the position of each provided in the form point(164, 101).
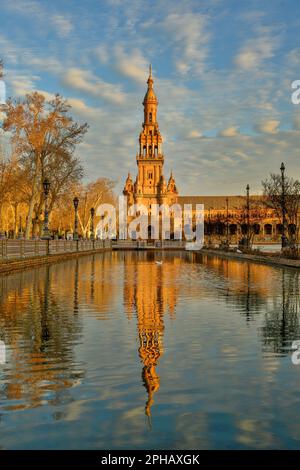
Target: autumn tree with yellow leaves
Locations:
point(44, 138)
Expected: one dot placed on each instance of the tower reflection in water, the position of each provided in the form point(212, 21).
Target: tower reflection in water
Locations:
point(150, 291)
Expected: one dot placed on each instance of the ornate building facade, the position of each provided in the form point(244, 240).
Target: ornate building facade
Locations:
point(150, 186)
point(225, 217)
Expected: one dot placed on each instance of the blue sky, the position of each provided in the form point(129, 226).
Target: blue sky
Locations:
point(222, 69)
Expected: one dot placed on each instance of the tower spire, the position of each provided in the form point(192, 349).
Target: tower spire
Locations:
point(150, 78)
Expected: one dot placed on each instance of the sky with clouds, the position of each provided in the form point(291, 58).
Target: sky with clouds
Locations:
point(222, 69)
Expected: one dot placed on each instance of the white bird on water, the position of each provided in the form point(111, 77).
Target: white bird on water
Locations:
point(159, 262)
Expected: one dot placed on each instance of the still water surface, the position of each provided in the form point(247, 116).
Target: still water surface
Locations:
point(114, 351)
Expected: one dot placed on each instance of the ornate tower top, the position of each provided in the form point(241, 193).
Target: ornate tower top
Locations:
point(150, 98)
point(150, 79)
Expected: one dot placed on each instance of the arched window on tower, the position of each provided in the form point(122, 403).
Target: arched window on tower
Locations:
point(144, 150)
point(150, 150)
point(155, 151)
point(150, 117)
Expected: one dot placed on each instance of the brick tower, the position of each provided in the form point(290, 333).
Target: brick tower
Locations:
point(150, 186)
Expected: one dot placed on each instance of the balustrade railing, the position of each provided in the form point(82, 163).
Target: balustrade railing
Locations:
point(145, 244)
point(20, 249)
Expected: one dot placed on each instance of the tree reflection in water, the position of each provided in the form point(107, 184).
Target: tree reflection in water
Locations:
point(281, 323)
point(40, 334)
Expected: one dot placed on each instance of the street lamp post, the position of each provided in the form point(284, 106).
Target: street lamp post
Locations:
point(283, 237)
point(76, 202)
point(227, 224)
point(248, 215)
point(46, 233)
point(92, 235)
point(209, 227)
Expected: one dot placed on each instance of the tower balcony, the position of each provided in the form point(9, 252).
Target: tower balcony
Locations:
point(160, 157)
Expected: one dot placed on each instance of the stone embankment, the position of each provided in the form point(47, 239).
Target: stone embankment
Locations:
point(274, 259)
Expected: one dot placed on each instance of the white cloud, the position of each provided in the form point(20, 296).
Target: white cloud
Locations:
point(296, 122)
point(30, 7)
point(85, 81)
point(82, 109)
point(293, 57)
point(254, 53)
point(22, 84)
point(189, 34)
point(132, 65)
point(41, 15)
point(62, 25)
point(229, 132)
point(253, 16)
point(257, 49)
point(11, 50)
point(194, 134)
point(101, 52)
point(47, 64)
point(268, 127)
point(48, 96)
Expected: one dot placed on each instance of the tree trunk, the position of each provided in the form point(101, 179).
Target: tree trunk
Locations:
point(1, 220)
point(16, 219)
point(29, 216)
point(33, 198)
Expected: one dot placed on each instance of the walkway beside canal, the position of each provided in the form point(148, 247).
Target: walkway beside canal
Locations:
point(22, 254)
point(271, 259)
point(274, 259)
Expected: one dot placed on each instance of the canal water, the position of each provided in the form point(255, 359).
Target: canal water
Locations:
point(117, 351)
